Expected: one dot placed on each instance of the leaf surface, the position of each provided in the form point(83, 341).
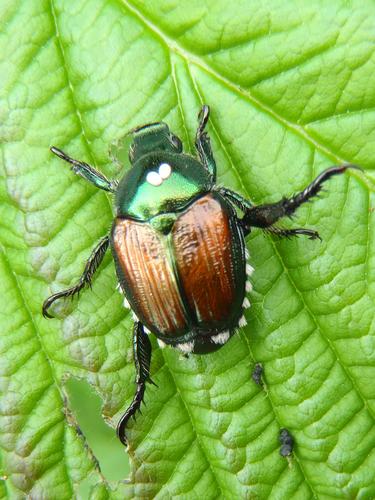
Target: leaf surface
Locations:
point(292, 91)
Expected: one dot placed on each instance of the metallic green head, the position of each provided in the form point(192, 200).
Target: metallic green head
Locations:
point(153, 137)
point(162, 179)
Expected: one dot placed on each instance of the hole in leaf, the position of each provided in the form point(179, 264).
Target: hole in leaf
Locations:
point(110, 453)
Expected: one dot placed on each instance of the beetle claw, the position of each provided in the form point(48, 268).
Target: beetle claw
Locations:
point(46, 314)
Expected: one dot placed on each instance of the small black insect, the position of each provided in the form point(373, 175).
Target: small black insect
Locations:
point(179, 245)
point(257, 374)
point(287, 442)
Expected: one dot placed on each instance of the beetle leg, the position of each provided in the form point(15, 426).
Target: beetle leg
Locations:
point(92, 265)
point(202, 143)
point(87, 172)
point(264, 216)
point(142, 360)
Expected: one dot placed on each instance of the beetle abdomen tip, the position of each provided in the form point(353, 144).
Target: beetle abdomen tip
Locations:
point(186, 347)
point(242, 322)
point(221, 338)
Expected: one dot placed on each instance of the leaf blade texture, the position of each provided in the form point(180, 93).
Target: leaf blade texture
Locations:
point(291, 89)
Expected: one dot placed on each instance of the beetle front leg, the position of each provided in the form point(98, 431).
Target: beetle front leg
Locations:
point(142, 360)
point(92, 265)
point(87, 172)
point(202, 143)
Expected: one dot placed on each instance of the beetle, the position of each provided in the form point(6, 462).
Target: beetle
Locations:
point(178, 242)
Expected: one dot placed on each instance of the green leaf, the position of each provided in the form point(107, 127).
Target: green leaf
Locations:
point(292, 91)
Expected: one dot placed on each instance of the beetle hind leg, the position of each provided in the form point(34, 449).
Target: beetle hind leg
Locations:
point(264, 216)
point(142, 360)
point(92, 265)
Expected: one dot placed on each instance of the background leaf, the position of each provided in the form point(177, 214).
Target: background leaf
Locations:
point(292, 90)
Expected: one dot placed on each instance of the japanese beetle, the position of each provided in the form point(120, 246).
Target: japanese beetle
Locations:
point(179, 245)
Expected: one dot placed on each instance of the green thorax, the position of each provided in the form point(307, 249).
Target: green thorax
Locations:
point(159, 182)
